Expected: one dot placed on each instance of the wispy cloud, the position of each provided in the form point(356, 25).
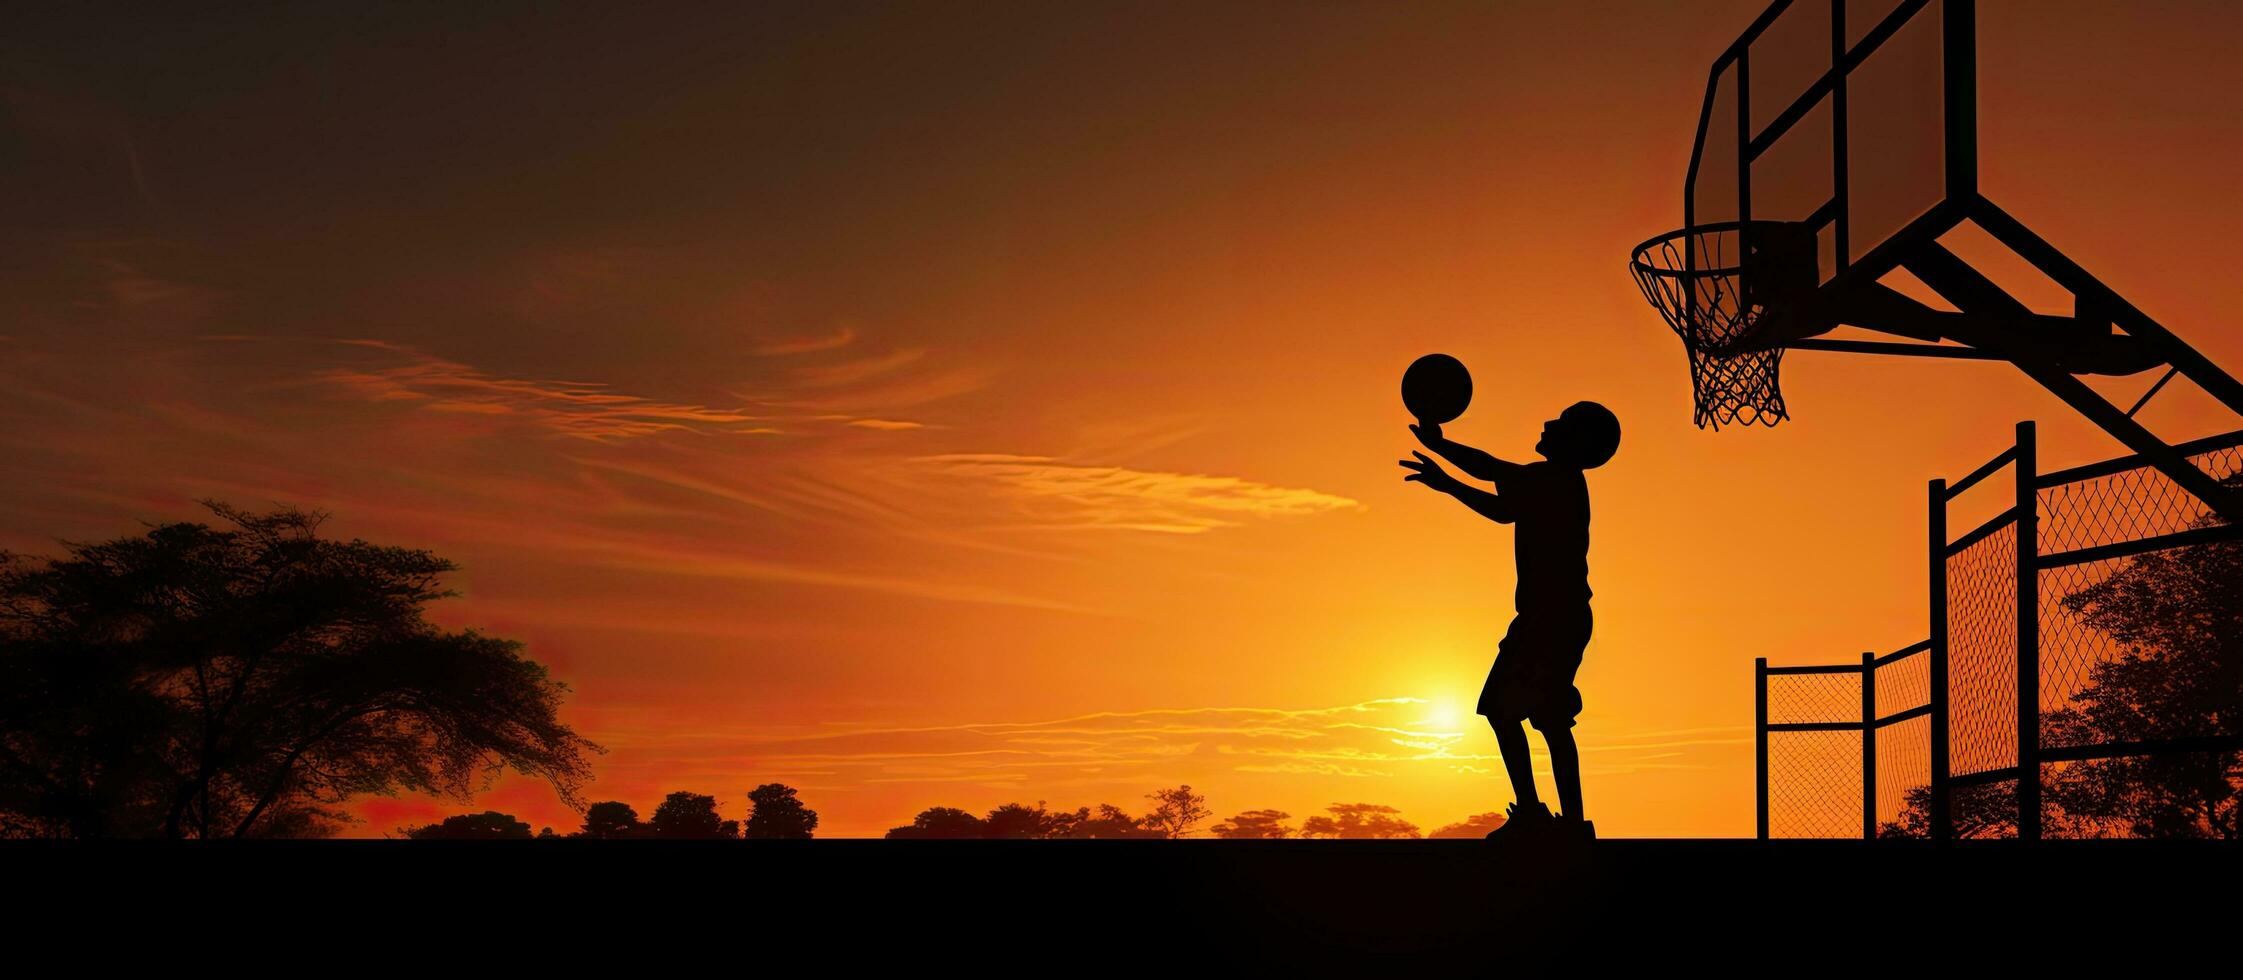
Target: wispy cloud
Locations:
point(857, 371)
point(389, 438)
point(788, 346)
point(580, 409)
point(1050, 493)
point(878, 386)
point(684, 558)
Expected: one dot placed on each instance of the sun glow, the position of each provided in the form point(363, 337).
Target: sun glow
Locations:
point(1445, 714)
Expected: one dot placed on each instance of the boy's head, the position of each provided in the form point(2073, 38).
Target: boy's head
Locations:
point(1584, 435)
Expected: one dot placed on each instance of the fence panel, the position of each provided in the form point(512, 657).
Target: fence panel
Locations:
point(1814, 776)
point(1981, 635)
point(1903, 778)
point(1831, 747)
point(2098, 617)
point(1814, 784)
point(2107, 668)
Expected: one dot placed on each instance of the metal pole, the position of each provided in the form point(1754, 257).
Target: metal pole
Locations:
point(2028, 637)
point(1941, 826)
point(1760, 741)
point(1869, 746)
point(1841, 228)
point(1960, 23)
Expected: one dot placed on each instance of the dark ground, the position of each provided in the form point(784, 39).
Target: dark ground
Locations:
point(1182, 909)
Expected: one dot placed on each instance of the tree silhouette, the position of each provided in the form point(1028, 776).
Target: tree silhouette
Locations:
point(1015, 821)
point(690, 816)
point(1358, 821)
point(1255, 825)
point(1176, 811)
point(610, 820)
point(1110, 822)
point(487, 825)
point(2176, 616)
point(245, 680)
point(1476, 825)
point(1977, 812)
point(941, 823)
point(778, 815)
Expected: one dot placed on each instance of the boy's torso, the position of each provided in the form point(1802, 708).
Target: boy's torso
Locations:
point(1552, 538)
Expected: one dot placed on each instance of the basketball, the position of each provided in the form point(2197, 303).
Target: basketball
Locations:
point(1436, 388)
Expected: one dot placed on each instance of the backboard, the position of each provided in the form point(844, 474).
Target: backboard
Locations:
point(1837, 142)
point(1852, 118)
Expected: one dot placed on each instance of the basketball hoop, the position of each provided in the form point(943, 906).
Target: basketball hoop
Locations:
point(1698, 279)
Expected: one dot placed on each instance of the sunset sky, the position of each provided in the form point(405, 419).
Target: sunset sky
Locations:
point(960, 404)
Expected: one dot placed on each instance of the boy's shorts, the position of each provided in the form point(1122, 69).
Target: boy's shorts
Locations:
point(1533, 674)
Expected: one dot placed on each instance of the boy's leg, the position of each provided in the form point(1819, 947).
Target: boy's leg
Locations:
point(1555, 720)
point(1565, 769)
point(1510, 739)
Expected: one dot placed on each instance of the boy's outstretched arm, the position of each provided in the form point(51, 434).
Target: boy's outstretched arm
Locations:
point(1474, 462)
point(1430, 473)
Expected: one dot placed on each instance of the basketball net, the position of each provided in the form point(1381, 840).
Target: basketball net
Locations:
point(1693, 278)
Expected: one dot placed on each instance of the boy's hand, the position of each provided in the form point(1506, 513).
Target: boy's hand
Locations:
point(1428, 472)
point(1429, 434)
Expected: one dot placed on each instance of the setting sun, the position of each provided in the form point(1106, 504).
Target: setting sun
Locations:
point(1445, 715)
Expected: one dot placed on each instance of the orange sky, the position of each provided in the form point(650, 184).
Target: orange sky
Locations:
point(939, 408)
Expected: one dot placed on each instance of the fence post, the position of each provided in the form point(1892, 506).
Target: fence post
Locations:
point(1869, 746)
point(1941, 826)
point(2028, 636)
point(1760, 741)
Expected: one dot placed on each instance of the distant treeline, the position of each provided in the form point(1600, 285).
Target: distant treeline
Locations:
point(776, 813)
point(1176, 813)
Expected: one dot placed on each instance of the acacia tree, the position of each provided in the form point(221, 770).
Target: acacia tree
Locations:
point(1109, 822)
point(1018, 821)
point(244, 680)
point(1359, 820)
point(487, 825)
point(941, 823)
point(1255, 825)
point(1176, 811)
point(1476, 825)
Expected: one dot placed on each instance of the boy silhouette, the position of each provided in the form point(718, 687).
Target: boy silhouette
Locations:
point(1532, 680)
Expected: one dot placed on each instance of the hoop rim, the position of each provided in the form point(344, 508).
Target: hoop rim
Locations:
point(1636, 256)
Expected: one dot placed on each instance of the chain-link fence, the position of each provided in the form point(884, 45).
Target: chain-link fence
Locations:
point(1981, 634)
point(2140, 638)
point(1810, 745)
point(1841, 746)
point(2112, 542)
point(1902, 719)
point(2089, 637)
